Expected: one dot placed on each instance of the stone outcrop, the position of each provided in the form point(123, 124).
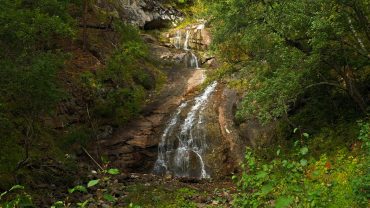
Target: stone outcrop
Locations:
point(199, 36)
point(146, 14)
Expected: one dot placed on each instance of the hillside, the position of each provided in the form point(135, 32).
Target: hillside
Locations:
point(192, 103)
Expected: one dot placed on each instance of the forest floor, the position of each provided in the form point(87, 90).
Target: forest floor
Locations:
point(147, 190)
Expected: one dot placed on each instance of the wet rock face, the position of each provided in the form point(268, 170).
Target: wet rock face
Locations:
point(146, 14)
point(199, 37)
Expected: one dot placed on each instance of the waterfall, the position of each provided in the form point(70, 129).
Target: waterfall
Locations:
point(186, 43)
point(183, 144)
point(164, 146)
point(193, 58)
point(178, 39)
point(194, 61)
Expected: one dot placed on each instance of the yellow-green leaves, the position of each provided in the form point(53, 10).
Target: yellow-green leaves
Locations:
point(78, 188)
point(93, 183)
point(113, 171)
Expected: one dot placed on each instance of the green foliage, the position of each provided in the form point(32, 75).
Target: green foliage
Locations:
point(296, 179)
point(30, 60)
point(287, 52)
point(113, 171)
point(15, 197)
point(121, 88)
point(95, 190)
point(364, 136)
point(93, 183)
point(77, 188)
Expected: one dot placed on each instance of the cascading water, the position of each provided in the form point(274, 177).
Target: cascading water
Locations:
point(182, 146)
point(186, 43)
point(194, 61)
point(178, 39)
point(193, 58)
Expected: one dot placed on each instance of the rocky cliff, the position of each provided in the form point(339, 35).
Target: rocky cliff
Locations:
point(146, 14)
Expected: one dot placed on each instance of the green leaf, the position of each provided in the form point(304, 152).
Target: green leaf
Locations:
point(113, 171)
point(278, 152)
point(303, 150)
point(306, 135)
point(109, 198)
point(261, 174)
point(283, 202)
point(295, 130)
point(16, 187)
point(266, 189)
point(3, 194)
point(303, 162)
point(93, 183)
point(78, 188)
point(83, 204)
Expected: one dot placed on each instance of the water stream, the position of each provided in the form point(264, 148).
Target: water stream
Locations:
point(178, 39)
point(193, 58)
point(183, 142)
point(186, 43)
point(194, 61)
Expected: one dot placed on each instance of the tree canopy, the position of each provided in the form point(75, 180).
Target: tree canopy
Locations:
point(283, 49)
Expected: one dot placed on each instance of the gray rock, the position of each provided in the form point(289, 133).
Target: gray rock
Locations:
point(146, 14)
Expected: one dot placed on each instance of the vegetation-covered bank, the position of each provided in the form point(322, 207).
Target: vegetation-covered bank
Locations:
point(304, 64)
point(69, 74)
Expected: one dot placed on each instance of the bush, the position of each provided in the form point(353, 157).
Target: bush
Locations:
point(296, 180)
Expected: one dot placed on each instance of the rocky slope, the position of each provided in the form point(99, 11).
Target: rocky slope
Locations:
point(134, 147)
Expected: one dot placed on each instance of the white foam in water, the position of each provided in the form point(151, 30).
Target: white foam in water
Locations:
point(190, 139)
point(163, 147)
point(199, 102)
point(186, 43)
point(194, 61)
point(178, 39)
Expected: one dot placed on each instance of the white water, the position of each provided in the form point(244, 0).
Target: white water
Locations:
point(181, 140)
point(178, 39)
point(194, 61)
point(165, 146)
point(200, 102)
point(186, 43)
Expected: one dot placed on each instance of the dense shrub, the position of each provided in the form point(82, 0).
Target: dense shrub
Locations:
point(298, 180)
